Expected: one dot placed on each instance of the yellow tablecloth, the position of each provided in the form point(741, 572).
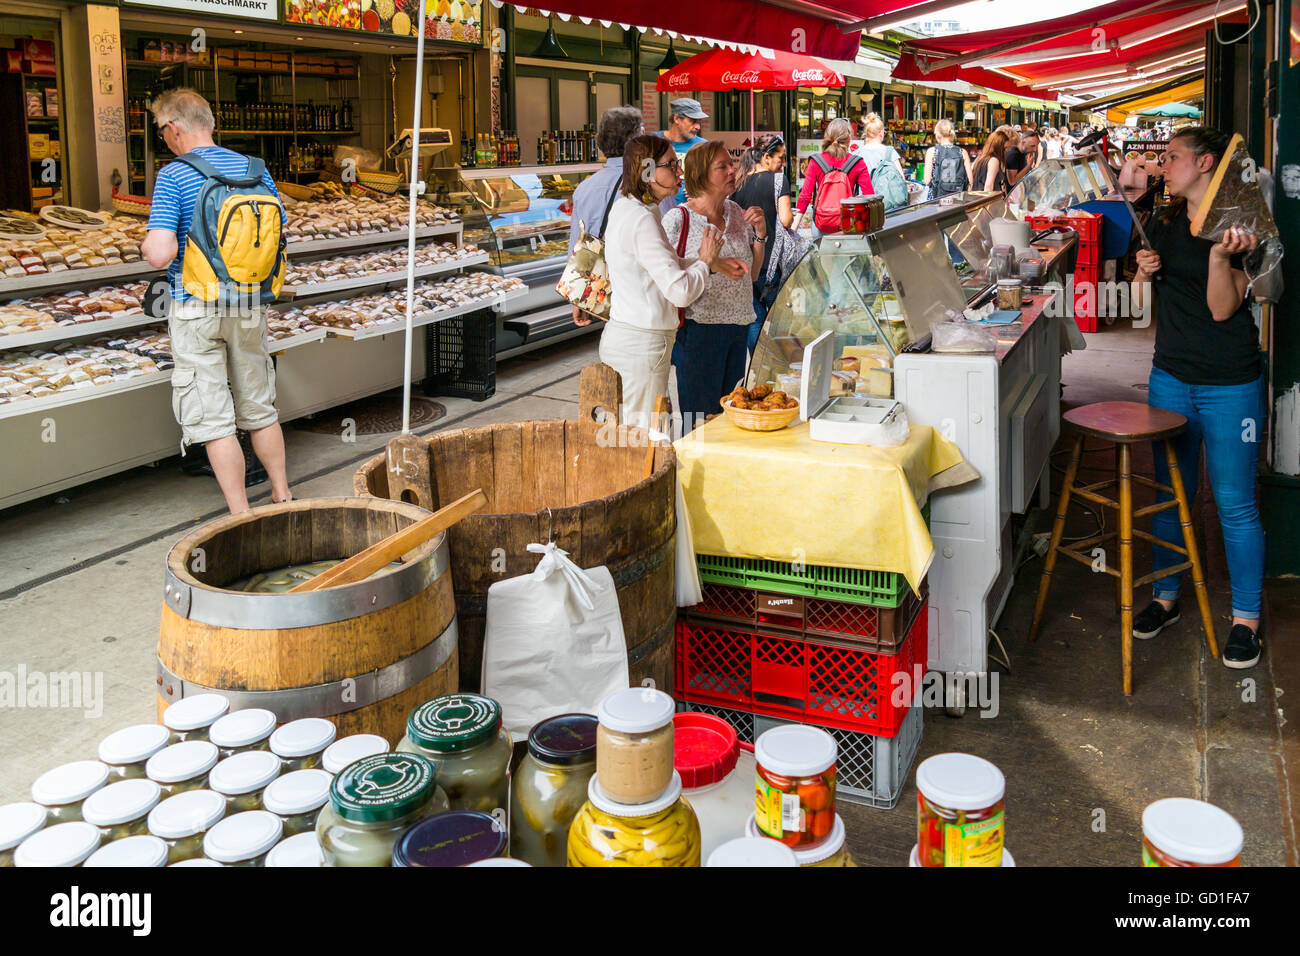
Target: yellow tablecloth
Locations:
point(784, 497)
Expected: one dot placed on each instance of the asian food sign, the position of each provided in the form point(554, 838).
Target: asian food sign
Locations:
point(456, 21)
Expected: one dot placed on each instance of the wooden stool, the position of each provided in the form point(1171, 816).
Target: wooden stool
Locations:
point(1126, 424)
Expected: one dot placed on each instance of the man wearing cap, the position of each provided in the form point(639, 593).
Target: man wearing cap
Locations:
point(683, 132)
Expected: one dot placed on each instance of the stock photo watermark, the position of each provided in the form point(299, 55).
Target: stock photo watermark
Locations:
point(24, 689)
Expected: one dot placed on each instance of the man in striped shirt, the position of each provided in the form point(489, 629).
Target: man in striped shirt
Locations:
point(218, 350)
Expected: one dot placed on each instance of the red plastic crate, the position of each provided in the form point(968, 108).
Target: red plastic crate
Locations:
point(828, 682)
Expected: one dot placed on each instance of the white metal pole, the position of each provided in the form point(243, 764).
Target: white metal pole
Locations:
point(415, 190)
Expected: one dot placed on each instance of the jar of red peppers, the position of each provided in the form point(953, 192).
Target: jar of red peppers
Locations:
point(1180, 832)
point(794, 799)
point(959, 811)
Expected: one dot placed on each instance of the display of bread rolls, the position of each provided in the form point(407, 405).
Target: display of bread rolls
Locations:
point(373, 263)
point(389, 308)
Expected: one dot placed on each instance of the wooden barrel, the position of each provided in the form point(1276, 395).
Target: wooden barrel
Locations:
point(363, 655)
point(578, 483)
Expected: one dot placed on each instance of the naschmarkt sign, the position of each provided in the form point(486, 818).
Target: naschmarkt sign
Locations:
point(252, 9)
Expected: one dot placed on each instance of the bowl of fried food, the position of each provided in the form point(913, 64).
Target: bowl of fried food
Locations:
point(760, 409)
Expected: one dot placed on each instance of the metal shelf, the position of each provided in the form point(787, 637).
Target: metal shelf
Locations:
point(426, 318)
point(287, 132)
point(276, 346)
point(94, 276)
point(62, 333)
point(377, 279)
point(304, 247)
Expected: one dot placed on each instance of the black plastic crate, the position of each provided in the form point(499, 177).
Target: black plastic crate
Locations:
point(461, 356)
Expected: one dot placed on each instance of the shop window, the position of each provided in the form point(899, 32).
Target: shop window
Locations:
point(31, 107)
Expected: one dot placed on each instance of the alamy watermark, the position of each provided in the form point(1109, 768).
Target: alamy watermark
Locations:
point(74, 690)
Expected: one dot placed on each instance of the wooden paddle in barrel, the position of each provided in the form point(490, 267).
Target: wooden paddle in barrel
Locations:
point(365, 563)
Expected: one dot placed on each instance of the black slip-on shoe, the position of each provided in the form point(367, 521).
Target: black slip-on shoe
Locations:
point(1153, 619)
point(1242, 649)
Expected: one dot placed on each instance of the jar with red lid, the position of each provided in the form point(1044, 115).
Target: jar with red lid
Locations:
point(717, 776)
point(1178, 831)
point(960, 814)
point(794, 799)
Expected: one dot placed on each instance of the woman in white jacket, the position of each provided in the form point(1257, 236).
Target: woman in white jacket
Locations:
point(648, 281)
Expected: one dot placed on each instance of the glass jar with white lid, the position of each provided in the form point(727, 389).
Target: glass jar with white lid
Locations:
point(299, 850)
point(18, 821)
point(830, 852)
point(183, 766)
point(243, 839)
point(190, 718)
point(300, 743)
point(126, 751)
point(61, 790)
point(64, 844)
point(140, 851)
point(372, 802)
point(243, 730)
point(122, 809)
point(241, 779)
point(350, 749)
point(634, 744)
point(296, 798)
point(196, 861)
point(181, 822)
point(752, 851)
point(464, 738)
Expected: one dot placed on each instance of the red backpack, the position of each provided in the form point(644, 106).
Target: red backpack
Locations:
point(835, 186)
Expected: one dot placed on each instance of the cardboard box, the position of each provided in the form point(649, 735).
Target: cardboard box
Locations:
point(225, 58)
point(56, 149)
point(150, 51)
point(245, 59)
point(38, 145)
point(42, 192)
point(41, 203)
point(40, 67)
point(51, 102)
point(37, 49)
point(13, 61)
point(35, 103)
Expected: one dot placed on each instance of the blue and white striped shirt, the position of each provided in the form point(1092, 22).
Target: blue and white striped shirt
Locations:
point(174, 194)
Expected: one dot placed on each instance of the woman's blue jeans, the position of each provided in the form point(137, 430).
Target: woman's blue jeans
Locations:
point(1230, 419)
point(760, 314)
point(710, 360)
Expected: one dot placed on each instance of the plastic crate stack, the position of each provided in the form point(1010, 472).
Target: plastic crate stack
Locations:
point(1087, 264)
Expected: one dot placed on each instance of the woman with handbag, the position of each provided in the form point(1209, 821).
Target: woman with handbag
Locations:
point(761, 183)
point(648, 280)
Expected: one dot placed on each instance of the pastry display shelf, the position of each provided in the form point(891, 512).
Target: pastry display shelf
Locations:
point(377, 279)
point(428, 318)
point(305, 247)
point(83, 330)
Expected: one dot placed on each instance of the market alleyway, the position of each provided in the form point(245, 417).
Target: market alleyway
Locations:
point(81, 579)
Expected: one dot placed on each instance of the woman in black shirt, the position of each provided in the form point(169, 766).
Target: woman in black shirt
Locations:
point(1207, 366)
point(761, 181)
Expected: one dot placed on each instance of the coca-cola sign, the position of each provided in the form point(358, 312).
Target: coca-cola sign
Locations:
point(681, 79)
point(748, 76)
point(813, 77)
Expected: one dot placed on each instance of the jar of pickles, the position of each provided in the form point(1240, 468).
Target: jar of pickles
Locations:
point(61, 790)
point(126, 751)
point(242, 730)
point(661, 832)
point(960, 816)
point(190, 718)
point(183, 766)
point(140, 850)
point(455, 838)
point(830, 852)
point(242, 778)
point(463, 737)
point(634, 744)
point(244, 839)
point(795, 785)
point(18, 821)
point(299, 850)
point(550, 787)
point(752, 851)
point(372, 802)
point(352, 748)
point(296, 798)
point(860, 215)
point(122, 809)
point(301, 743)
point(64, 844)
point(181, 822)
point(1178, 831)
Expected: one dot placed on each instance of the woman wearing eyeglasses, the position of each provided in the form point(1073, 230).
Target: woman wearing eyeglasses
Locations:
point(648, 281)
point(761, 183)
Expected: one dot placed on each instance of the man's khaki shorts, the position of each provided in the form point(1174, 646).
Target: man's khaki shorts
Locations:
point(219, 352)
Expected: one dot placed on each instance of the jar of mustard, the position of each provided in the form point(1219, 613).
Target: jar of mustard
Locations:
point(300, 744)
point(61, 790)
point(243, 839)
point(190, 718)
point(463, 737)
point(122, 809)
point(242, 730)
point(183, 766)
point(634, 745)
point(372, 802)
point(660, 832)
point(296, 798)
point(550, 787)
point(299, 850)
point(137, 851)
point(182, 821)
point(455, 838)
point(241, 779)
point(126, 751)
point(348, 749)
point(64, 844)
point(18, 821)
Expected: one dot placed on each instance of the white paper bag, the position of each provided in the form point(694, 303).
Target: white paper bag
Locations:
point(554, 641)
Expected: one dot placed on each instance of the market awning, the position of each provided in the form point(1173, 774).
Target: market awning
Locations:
point(1152, 104)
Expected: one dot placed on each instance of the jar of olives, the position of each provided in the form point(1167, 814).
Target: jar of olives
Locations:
point(296, 798)
point(243, 839)
point(62, 790)
point(121, 809)
point(126, 751)
point(242, 730)
point(748, 851)
point(345, 750)
point(190, 718)
point(242, 778)
point(181, 821)
point(64, 844)
point(550, 787)
point(455, 838)
point(795, 785)
point(960, 817)
point(462, 735)
point(183, 766)
point(301, 849)
point(372, 802)
point(634, 744)
point(661, 832)
point(301, 743)
point(18, 821)
point(139, 850)
point(1178, 831)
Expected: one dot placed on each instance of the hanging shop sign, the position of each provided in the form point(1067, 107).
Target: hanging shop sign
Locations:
point(250, 9)
point(454, 21)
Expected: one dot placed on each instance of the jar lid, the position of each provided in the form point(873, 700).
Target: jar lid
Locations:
point(752, 851)
point(298, 738)
point(183, 761)
point(69, 783)
point(382, 787)
point(133, 744)
point(564, 740)
point(301, 849)
point(857, 200)
point(454, 838)
point(705, 749)
point(64, 844)
point(601, 800)
point(18, 821)
point(455, 722)
point(833, 843)
point(131, 851)
point(795, 750)
point(193, 713)
point(1192, 830)
point(500, 861)
point(298, 792)
point(348, 749)
point(242, 837)
point(186, 814)
point(196, 861)
point(960, 781)
point(242, 728)
point(1009, 282)
point(635, 710)
point(121, 802)
point(244, 772)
